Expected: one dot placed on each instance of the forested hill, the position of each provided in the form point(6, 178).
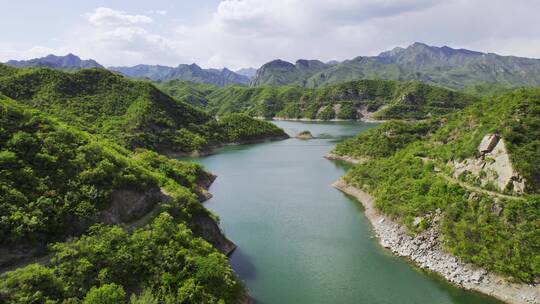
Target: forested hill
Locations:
point(56, 182)
point(377, 99)
point(478, 166)
point(133, 113)
point(444, 66)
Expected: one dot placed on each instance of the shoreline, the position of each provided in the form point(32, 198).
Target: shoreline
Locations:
point(368, 120)
point(347, 159)
point(212, 149)
point(426, 252)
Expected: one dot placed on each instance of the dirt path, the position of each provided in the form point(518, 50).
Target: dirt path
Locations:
point(478, 189)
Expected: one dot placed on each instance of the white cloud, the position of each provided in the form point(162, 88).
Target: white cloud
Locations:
point(103, 16)
point(115, 37)
point(240, 33)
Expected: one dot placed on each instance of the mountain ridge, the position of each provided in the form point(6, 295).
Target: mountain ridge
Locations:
point(69, 62)
point(446, 66)
point(190, 72)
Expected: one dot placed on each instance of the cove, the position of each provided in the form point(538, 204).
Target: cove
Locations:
point(302, 241)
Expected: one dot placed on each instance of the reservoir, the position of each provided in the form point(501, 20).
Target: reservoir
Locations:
point(302, 241)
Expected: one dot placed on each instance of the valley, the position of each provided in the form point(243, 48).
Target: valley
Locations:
point(104, 171)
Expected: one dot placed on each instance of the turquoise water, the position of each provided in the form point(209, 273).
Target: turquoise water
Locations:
point(300, 240)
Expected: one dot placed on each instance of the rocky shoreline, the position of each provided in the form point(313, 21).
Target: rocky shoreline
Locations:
point(345, 158)
point(363, 119)
point(425, 250)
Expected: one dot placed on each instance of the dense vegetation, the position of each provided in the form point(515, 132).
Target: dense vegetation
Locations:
point(133, 113)
point(56, 181)
point(443, 66)
point(408, 180)
point(349, 100)
point(191, 92)
point(163, 263)
point(384, 140)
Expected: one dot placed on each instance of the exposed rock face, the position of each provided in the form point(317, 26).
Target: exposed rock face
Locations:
point(426, 251)
point(129, 205)
point(493, 166)
point(207, 228)
point(345, 158)
point(488, 143)
point(135, 208)
point(337, 108)
point(408, 99)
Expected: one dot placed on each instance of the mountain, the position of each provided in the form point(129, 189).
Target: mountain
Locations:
point(248, 72)
point(188, 72)
point(454, 68)
point(135, 114)
point(470, 179)
point(279, 72)
point(68, 62)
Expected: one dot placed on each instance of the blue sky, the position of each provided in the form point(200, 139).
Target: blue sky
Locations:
point(242, 33)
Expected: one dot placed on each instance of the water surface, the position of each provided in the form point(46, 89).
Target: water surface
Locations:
point(300, 240)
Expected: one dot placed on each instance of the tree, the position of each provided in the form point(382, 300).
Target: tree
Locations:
point(106, 294)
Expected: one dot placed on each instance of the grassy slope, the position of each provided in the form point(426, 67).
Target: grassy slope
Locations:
point(406, 187)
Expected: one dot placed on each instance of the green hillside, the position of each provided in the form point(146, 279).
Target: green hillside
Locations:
point(133, 113)
point(56, 182)
point(412, 170)
point(379, 99)
point(191, 92)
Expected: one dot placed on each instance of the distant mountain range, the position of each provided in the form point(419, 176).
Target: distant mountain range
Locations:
point(455, 68)
point(187, 72)
point(190, 72)
point(68, 62)
point(445, 66)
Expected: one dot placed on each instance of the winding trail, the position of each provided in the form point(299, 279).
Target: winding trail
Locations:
point(478, 189)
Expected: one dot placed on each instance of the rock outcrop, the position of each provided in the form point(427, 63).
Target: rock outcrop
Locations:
point(345, 158)
point(207, 228)
point(493, 166)
point(305, 135)
point(130, 205)
point(425, 250)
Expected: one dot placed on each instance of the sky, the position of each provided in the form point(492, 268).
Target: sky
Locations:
point(249, 33)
